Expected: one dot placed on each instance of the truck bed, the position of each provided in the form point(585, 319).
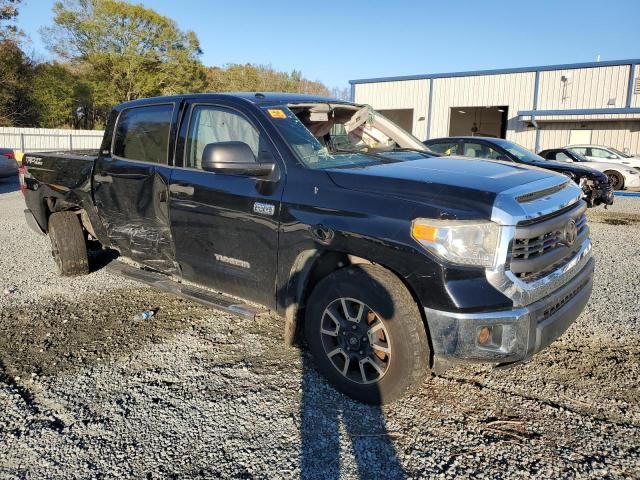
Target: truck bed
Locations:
point(63, 176)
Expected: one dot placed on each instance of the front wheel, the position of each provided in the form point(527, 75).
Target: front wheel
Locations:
point(366, 334)
point(616, 180)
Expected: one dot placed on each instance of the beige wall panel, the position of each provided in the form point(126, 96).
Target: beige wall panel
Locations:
point(513, 89)
point(584, 88)
point(396, 95)
point(620, 135)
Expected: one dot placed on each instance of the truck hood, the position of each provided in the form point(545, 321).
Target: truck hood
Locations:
point(454, 186)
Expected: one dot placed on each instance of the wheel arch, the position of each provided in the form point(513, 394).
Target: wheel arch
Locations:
point(309, 268)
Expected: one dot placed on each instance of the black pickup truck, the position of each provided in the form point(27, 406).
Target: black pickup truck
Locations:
point(388, 260)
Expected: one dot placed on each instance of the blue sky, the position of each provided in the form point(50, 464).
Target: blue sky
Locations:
point(335, 41)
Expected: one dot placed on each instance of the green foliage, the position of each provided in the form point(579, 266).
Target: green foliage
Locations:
point(16, 107)
point(111, 51)
point(126, 51)
point(57, 93)
point(8, 14)
point(260, 78)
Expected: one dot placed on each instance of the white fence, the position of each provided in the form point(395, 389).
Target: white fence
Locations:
point(49, 139)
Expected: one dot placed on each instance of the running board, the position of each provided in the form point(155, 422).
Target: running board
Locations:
point(197, 294)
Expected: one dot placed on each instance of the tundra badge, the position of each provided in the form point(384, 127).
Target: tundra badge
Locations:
point(263, 208)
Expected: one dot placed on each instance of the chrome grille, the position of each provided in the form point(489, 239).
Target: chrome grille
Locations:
point(540, 247)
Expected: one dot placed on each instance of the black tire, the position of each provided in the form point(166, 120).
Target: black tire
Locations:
point(386, 301)
point(616, 180)
point(68, 244)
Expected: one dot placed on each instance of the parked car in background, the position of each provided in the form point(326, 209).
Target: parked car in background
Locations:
point(8, 152)
point(620, 176)
point(599, 153)
point(8, 166)
point(594, 184)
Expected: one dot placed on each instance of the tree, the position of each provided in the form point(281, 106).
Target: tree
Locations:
point(16, 108)
point(8, 13)
point(341, 93)
point(124, 51)
point(57, 93)
point(260, 78)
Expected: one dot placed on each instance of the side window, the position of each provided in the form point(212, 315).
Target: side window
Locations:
point(563, 157)
point(211, 124)
point(480, 150)
point(549, 155)
point(142, 133)
point(580, 150)
point(600, 153)
point(445, 148)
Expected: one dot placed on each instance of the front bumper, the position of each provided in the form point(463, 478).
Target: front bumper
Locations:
point(631, 181)
point(515, 335)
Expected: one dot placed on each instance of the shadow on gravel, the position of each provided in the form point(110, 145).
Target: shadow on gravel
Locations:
point(8, 185)
point(61, 335)
point(332, 424)
point(100, 258)
point(328, 415)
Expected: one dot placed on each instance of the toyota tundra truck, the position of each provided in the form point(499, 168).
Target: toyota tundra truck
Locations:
point(385, 259)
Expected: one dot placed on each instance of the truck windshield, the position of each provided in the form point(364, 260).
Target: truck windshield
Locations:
point(324, 136)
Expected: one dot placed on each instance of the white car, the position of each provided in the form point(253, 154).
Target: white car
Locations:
point(620, 176)
point(599, 153)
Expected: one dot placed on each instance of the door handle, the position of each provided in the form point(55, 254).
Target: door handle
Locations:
point(103, 178)
point(181, 190)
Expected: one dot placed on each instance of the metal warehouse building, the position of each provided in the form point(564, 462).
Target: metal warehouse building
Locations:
point(537, 107)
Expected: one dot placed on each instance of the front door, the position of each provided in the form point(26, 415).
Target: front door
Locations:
point(131, 180)
point(225, 226)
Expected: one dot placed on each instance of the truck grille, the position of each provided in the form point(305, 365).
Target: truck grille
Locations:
point(543, 245)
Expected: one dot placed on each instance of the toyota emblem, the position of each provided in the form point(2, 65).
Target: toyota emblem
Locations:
point(570, 233)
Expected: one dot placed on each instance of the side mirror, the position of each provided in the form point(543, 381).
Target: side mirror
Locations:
point(612, 157)
point(235, 158)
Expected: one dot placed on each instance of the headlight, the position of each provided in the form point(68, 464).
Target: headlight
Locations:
point(464, 242)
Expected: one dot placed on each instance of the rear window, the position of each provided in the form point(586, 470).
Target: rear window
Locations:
point(142, 133)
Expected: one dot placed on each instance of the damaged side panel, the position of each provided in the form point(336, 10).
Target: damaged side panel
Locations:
point(132, 199)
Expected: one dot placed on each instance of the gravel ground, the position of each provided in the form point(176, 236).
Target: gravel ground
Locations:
point(85, 392)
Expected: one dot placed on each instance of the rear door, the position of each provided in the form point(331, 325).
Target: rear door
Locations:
point(131, 180)
point(226, 226)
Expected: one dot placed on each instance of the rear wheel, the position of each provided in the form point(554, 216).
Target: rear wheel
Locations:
point(68, 244)
point(616, 180)
point(366, 334)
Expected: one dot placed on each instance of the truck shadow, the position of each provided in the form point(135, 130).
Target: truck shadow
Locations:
point(334, 427)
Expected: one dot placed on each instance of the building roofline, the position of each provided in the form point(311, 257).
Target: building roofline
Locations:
point(473, 73)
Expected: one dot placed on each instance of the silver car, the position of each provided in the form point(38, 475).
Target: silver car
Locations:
point(8, 167)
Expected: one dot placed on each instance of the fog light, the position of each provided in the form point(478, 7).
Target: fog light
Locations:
point(484, 335)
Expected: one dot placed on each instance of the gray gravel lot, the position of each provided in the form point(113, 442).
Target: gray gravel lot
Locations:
point(85, 392)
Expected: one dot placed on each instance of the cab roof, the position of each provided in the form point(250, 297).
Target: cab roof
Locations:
point(257, 98)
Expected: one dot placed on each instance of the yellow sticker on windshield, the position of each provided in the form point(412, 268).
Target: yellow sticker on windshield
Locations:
point(276, 113)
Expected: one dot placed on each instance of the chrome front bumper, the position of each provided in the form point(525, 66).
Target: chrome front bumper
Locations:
point(516, 334)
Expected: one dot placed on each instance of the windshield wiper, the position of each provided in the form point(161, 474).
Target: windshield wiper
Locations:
point(370, 154)
point(417, 150)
